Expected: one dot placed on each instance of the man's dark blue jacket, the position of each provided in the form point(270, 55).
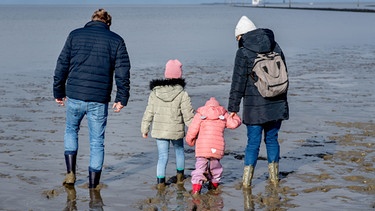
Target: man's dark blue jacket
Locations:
point(91, 56)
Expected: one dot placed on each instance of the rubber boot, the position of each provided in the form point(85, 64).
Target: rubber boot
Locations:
point(161, 183)
point(180, 177)
point(248, 173)
point(214, 185)
point(94, 178)
point(70, 177)
point(273, 169)
point(196, 189)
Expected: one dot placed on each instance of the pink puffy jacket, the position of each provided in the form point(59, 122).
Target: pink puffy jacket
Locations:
point(206, 131)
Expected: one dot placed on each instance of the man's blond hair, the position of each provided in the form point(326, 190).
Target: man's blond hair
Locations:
point(103, 16)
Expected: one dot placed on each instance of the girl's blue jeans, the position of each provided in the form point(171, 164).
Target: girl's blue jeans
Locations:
point(96, 114)
point(254, 137)
point(163, 150)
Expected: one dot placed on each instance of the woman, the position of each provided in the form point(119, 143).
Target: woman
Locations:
point(259, 114)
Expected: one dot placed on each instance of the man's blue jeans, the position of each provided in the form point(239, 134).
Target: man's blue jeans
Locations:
point(254, 137)
point(163, 150)
point(96, 114)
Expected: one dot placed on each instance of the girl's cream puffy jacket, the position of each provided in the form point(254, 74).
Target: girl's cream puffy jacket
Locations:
point(168, 110)
point(206, 131)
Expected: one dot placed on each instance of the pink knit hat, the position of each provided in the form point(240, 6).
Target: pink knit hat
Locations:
point(173, 69)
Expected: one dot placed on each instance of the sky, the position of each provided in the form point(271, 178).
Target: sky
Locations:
point(158, 1)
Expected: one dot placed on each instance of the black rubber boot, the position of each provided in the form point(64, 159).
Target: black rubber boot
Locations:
point(94, 178)
point(161, 183)
point(70, 161)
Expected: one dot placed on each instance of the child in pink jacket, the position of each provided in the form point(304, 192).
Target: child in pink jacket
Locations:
point(206, 132)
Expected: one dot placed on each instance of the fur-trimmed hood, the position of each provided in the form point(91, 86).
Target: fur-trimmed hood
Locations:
point(168, 110)
point(167, 89)
point(167, 82)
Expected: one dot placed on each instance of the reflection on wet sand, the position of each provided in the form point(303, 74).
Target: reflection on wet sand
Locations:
point(176, 197)
point(95, 203)
point(71, 196)
point(248, 200)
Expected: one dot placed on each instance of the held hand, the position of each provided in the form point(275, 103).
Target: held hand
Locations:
point(145, 135)
point(117, 107)
point(60, 101)
point(233, 114)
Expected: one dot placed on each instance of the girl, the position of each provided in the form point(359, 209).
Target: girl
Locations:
point(207, 132)
point(169, 109)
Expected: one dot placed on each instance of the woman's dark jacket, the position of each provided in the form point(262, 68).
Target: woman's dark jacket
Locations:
point(87, 63)
point(256, 109)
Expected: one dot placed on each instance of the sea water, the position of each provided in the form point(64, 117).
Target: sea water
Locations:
point(32, 36)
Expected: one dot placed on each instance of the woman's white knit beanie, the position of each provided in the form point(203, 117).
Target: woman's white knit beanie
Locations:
point(243, 26)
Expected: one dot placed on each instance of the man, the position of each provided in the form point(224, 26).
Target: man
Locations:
point(260, 115)
point(91, 57)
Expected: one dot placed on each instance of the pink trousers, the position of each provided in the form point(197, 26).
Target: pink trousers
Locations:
point(206, 169)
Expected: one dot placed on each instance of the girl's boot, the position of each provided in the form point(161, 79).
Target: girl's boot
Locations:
point(180, 177)
point(273, 169)
point(248, 173)
point(94, 178)
point(70, 161)
point(196, 189)
point(161, 183)
point(213, 185)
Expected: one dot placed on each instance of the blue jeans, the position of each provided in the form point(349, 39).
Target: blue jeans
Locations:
point(96, 114)
point(254, 137)
point(163, 150)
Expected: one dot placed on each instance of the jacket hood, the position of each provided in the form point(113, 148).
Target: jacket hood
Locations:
point(167, 82)
point(212, 110)
point(167, 89)
point(259, 40)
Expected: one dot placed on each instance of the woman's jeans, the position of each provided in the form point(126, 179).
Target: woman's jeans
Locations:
point(254, 137)
point(96, 114)
point(163, 149)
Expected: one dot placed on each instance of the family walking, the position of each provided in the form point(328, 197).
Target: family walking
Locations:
point(93, 58)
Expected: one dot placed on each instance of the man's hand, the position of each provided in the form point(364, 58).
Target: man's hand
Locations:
point(145, 135)
point(117, 107)
point(60, 101)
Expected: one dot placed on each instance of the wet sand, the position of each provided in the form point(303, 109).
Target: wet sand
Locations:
point(327, 146)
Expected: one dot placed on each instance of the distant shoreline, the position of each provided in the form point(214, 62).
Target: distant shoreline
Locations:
point(313, 8)
point(286, 6)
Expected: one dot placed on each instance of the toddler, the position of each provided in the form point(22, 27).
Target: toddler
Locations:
point(206, 132)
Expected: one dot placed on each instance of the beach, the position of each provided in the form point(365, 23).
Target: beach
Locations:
point(327, 145)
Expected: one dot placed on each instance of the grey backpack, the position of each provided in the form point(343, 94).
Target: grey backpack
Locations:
point(272, 75)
